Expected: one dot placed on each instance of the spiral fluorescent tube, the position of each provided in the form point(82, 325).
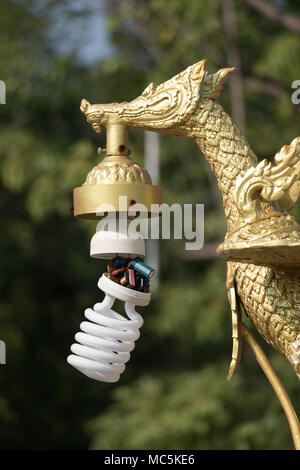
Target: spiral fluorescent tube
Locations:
point(104, 345)
point(105, 341)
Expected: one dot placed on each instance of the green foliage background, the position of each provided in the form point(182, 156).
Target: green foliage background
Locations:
point(174, 394)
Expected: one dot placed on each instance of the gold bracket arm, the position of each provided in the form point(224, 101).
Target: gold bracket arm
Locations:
point(236, 320)
point(116, 139)
point(275, 383)
point(236, 335)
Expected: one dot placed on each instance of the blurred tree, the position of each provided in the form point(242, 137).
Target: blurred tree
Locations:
point(174, 393)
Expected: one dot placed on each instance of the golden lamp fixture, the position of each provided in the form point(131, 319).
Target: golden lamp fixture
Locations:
point(117, 175)
point(262, 244)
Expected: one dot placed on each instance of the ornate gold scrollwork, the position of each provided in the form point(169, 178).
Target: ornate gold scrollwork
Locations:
point(269, 182)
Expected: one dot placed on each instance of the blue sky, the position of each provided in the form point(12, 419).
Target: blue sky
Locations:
point(85, 35)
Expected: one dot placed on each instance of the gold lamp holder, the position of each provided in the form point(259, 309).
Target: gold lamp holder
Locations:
point(116, 175)
point(262, 245)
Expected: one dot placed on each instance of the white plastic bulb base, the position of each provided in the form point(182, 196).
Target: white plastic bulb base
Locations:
point(107, 243)
point(105, 341)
